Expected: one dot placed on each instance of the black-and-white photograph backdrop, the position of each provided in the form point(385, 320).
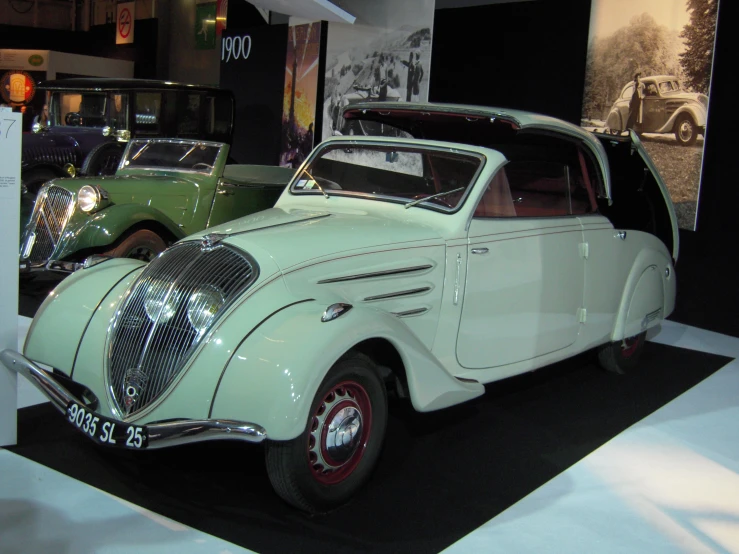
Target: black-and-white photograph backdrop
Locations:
point(649, 69)
point(384, 56)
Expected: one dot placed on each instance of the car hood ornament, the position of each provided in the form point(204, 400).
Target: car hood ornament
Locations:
point(211, 241)
point(134, 383)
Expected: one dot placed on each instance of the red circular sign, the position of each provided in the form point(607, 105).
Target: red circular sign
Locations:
point(17, 88)
point(124, 23)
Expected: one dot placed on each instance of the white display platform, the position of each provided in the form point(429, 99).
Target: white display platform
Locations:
point(10, 190)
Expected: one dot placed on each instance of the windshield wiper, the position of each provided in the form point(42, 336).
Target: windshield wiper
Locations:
point(140, 151)
point(437, 195)
point(316, 182)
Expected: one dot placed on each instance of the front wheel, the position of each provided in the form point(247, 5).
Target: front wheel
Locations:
point(622, 356)
point(324, 466)
point(141, 245)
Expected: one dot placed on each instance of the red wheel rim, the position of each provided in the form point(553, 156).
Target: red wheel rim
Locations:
point(629, 346)
point(339, 432)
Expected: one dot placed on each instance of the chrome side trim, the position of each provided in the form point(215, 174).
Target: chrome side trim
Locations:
point(161, 435)
point(397, 294)
point(384, 273)
point(408, 313)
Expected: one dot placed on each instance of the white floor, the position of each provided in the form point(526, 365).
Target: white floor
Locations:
point(669, 484)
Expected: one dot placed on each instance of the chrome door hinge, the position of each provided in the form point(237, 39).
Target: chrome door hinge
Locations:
point(584, 250)
point(582, 315)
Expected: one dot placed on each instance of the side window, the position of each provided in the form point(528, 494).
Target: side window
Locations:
point(628, 91)
point(188, 121)
point(535, 188)
point(217, 116)
point(118, 111)
point(148, 106)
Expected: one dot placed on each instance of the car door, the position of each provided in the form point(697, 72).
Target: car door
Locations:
point(525, 274)
point(247, 189)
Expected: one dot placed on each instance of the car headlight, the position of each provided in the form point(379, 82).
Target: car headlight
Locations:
point(203, 305)
point(90, 197)
point(159, 306)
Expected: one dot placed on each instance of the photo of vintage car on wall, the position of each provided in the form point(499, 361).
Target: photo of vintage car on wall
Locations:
point(164, 190)
point(666, 108)
point(488, 244)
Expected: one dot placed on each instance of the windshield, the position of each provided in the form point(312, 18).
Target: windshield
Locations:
point(427, 177)
point(180, 155)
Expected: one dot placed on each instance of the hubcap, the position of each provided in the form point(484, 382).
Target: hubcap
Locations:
point(686, 131)
point(339, 432)
point(628, 346)
point(142, 253)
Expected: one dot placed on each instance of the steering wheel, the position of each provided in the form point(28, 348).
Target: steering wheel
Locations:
point(73, 119)
point(202, 165)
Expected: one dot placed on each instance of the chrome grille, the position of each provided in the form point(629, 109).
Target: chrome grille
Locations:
point(54, 206)
point(154, 332)
point(58, 155)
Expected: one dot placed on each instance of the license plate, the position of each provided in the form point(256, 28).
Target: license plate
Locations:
point(107, 432)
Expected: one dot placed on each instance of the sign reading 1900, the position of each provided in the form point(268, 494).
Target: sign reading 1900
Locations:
point(235, 48)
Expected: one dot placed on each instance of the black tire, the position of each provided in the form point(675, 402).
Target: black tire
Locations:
point(34, 178)
point(353, 394)
point(103, 159)
point(144, 245)
point(686, 131)
point(622, 356)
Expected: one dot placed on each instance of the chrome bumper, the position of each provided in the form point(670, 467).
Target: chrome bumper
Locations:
point(161, 435)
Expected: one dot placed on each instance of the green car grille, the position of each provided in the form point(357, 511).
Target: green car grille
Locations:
point(54, 206)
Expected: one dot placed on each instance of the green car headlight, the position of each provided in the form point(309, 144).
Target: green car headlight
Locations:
point(90, 197)
point(203, 306)
point(159, 306)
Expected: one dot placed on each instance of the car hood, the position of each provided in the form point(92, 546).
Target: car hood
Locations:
point(123, 184)
point(293, 237)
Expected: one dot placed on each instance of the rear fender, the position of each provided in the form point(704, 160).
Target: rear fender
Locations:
point(83, 291)
point(648, 296)
point(614, 120)
point(108, 225)
point(274, 374)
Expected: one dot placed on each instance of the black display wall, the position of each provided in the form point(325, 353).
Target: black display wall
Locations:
point(526, 55)
point(257, 81)
point(719, 193)
point(98, 41)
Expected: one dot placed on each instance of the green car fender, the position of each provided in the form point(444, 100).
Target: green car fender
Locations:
point(72, 304)
point(103, 228)
point(273, 375)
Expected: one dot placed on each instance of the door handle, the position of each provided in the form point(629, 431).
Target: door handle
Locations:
point(620, 235)
point(479, 250)
point(225, 192)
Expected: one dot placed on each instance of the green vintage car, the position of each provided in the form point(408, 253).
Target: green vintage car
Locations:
point(163, 190)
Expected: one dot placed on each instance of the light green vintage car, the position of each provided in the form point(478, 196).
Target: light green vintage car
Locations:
point(163, 190)
point(417, 266)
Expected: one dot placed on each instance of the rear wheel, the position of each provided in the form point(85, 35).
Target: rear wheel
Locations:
point(144, 245)
point(324, 466)
point(622, 356)
point(686, 132)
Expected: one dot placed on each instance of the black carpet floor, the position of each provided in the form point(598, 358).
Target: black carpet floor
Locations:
point(440, 476)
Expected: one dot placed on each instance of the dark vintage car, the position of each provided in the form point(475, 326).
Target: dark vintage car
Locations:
point(92, 119)
point(667, 108)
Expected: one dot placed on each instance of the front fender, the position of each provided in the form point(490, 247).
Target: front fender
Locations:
point(272, 377)
point(698, 113)
point(106, 226)
point(83, 291)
